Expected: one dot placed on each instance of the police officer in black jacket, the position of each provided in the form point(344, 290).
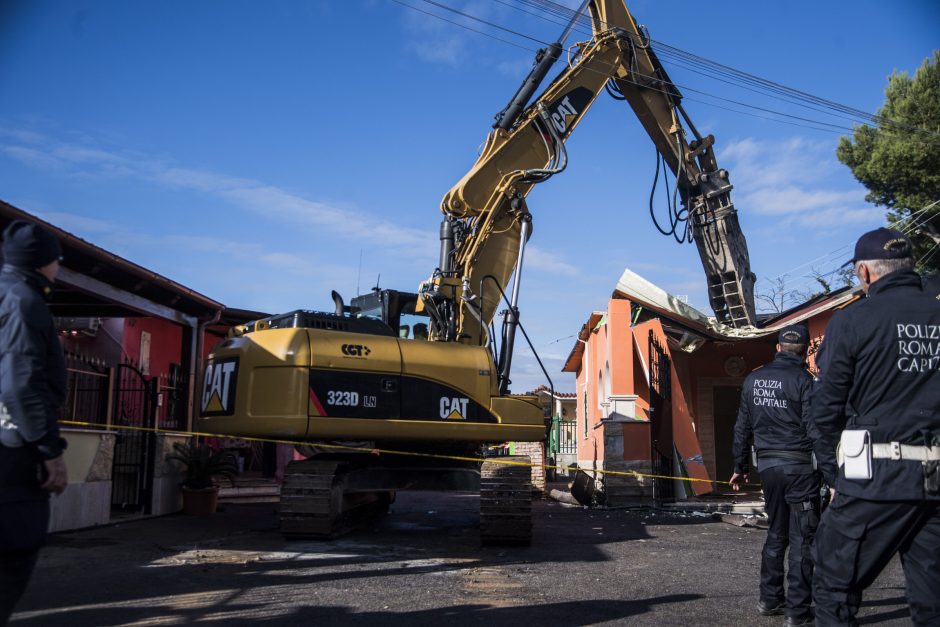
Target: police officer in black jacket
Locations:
point(774, 414)
point(878, 398)
point(32, 389)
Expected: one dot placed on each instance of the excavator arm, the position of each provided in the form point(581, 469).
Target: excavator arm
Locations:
point(704, 187)
point(487, 221)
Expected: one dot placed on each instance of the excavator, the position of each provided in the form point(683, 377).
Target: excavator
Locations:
point(405, 390)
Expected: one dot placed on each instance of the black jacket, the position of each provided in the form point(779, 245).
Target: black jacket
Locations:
point(774, 412)
point(880, 374)
point(32, 380)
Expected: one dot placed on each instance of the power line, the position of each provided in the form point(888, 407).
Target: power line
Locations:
point(666, 50)
point(907, 229)
point(482, 21)
point(812, 124)
point(479, 32)
point(734, 77)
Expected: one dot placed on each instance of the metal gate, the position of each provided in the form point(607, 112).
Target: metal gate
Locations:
point(660, 373)
point(567, 441)
point(134, 450)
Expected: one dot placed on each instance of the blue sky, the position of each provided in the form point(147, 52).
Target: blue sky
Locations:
point(256, 151)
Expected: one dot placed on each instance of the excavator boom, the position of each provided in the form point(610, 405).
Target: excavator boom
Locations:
point(487, 221)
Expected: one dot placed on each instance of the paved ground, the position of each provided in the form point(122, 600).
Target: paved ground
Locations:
point(422, 565)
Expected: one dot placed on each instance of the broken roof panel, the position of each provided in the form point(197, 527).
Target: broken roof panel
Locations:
point(640, 291)
point(691, 324)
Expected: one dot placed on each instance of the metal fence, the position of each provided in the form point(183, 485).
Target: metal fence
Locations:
point(171, 400)
point(88, 391)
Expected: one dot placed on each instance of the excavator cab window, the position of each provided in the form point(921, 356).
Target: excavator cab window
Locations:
point(421, 331)
point(394, 308)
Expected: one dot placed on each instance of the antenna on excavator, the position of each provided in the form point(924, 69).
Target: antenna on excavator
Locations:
point(359, 273)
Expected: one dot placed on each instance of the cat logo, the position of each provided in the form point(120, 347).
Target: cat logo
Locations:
point(454, 408)
point(563, 115)
point(355, 350)
point(218, 388)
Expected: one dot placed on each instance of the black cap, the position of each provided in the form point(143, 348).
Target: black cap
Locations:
point(794, 334)
point(28, 245)
point(882, 244)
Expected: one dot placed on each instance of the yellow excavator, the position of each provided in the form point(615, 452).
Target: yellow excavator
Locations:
point(420, 374)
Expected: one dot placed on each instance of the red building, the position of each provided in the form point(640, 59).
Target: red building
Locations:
point(658, 386)
point(135, 343)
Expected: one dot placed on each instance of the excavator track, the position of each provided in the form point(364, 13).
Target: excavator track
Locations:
point(314, 506)
point(506, 502)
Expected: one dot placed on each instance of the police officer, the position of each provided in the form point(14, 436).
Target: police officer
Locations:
point(774, 414)
point(878, 398)
point(32, 388)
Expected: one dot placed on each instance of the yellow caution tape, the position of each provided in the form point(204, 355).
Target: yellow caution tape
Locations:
point(380, 451)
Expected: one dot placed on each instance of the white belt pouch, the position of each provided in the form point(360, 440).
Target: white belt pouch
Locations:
point(855, 453)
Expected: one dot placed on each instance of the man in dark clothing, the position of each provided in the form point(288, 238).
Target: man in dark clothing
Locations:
point(774, 413)
point(878, 397)
point(32, 389)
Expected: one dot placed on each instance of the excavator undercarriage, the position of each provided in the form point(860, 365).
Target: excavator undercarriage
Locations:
point(325, 498)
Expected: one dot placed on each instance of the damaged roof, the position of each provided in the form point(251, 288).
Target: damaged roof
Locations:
point(690, 324)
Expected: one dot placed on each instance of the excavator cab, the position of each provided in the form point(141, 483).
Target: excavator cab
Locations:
point(394, 308)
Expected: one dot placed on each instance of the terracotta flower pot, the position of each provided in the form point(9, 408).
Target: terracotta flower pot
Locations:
point(200, 501)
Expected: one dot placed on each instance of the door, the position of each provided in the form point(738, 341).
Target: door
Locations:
point(660, 384)
point(725, 399)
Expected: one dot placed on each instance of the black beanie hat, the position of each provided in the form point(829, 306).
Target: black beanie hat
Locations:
point(28, 245)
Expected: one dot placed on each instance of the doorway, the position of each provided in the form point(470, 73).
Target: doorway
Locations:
point(725, 399)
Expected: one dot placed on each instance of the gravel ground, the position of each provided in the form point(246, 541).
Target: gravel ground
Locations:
point(421, 565)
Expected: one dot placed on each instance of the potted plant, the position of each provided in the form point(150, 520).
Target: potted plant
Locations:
point(201, 465)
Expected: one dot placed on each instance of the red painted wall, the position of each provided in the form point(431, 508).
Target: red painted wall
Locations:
point(165, 342)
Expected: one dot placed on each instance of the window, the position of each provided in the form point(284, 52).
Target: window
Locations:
point(607, 383)
point(585, 412)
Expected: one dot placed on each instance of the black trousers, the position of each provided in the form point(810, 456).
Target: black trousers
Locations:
point(23, 527)
point(15, 571)
point(856, 540)
point(791, 498)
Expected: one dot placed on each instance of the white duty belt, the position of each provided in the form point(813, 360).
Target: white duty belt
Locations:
point(896, 450)
point(856, 450)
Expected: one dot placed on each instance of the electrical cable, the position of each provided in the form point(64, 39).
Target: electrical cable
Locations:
point(929, 254)
point(840, 251)
point(741, 79)
point(469, 16)
point(741, 76)
point(472, 30)
point(833, 127)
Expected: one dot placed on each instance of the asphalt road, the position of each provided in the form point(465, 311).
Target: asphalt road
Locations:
point(421, 565)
